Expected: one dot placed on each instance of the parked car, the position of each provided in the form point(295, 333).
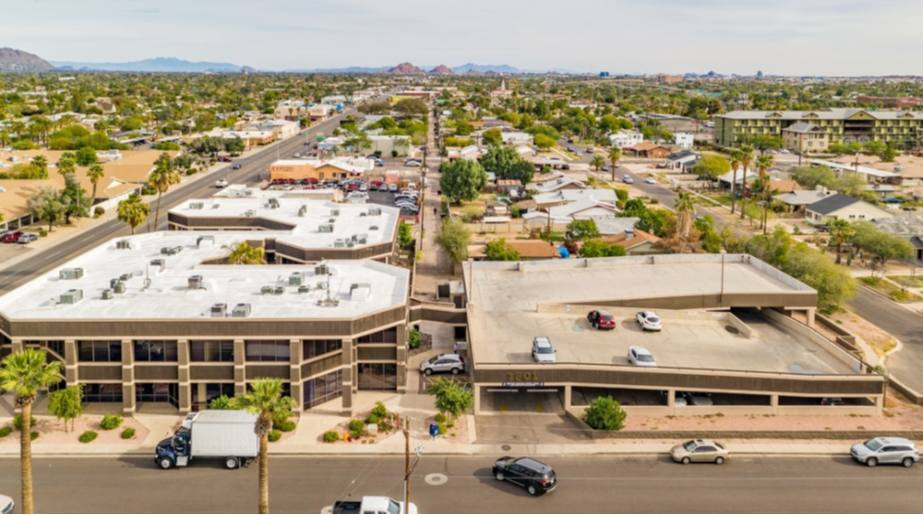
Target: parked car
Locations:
point(650, 180)
point(542, 351)
point(700, 450)
point(831, 401)
point(640, 357)
point(27, 238)
point(11, 237)
point(536, 477)
point(628, 180)
point(601, 319)
point(413, 163)
point(221, 183)
point(605, 168)
point(570, 149)
point(443, 363)
point(363, 187)
point(589, 150)
point(6, 504)
point(392, 188)
point(697, 399)
point(648, 320)
point(885, 450)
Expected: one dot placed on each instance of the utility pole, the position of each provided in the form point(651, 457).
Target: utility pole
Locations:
point(406, 464)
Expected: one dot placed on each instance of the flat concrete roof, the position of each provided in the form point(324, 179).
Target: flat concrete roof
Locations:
point(168, 296)
point(353, 219)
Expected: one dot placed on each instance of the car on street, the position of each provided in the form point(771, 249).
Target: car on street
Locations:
point(27, 238)
point(605, 168)
point(443, 363)
point(650, 180)
point(221, 183)
point(696, 399)
point(648, 320)
point(601, 319)
point(542, 351)
point(578, 154)
point(11, 237)
point(570, 149)
point(700, 450)
point(589, 150)
point(628, 180)
point(413, 163)
point(236, 167)
point(885, 450)
point(536, 477)
point(6, 504)
point(640, 357)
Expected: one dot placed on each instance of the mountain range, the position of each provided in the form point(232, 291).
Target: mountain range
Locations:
point(12, 60)
point(159, 64)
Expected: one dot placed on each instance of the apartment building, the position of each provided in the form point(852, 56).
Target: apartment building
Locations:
point(903, 129)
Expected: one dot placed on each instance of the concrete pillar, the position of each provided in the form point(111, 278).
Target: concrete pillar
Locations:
point(185, 380)
point(671, 402)
point(240, 359)
point(879, 404)
point(568, 396)
point(477, 399)
point(349, 376)
point(774, 403)
point(296, 353)
point(128, 379)
point(809, 316)
point(402, 343)
point(18, 346)
point(71, 357)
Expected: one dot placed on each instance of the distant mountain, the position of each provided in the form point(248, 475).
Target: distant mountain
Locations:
point(351, 69)
point(441, 70)
point(159, 64)
point(484, 68)
point(405, 68)
point(12, 60)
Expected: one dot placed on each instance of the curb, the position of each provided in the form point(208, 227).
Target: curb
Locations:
point(442, 454)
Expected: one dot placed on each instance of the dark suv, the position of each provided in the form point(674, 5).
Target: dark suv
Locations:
point(536, 477)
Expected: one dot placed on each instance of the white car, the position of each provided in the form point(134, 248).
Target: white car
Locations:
point(413, 163)
point(542, 351)
point(640, 357)
point(6, 504)
point(648, 320)
point(650, 180)
point(221, 183)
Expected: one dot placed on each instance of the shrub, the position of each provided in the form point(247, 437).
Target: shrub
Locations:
point(43, 233)
point(128, 433)
point(356, 426)
point(385, 427)
point(4, 432)
point(275, 435)
point(98, 211)
point(33, 435)
point(394, 153)
point(450, 424)
point(148, 190)
point(88, 436)
point(442, 429)
point(110, 422)
point(190, 171)
point(440, 418)
point(279, 418)
point(287, 426)
point(17, 422)
point(331, 436)
point(371, 419)
point(414, 339)
point(223, 402)
point(605, 414)
point(380, 411)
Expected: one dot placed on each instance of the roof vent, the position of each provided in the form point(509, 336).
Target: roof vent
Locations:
point(205, 242)
point(373, 228)
point(71, 273)
point(159, 264)
point(196, 205)
point(273, 203)
point(334, 212)
point(295, 279)
point(304, 288)
point(219, 310)
point(71, 297)
point(250, 212)
point(279, 290)
point(216, 205)
point(321, 268)
point(241, 311)
point(125, 277)
point(374, 211)
point(303, 210)
point(195, 282)
point(169, 251)
point(266, 290)
point(119, 287)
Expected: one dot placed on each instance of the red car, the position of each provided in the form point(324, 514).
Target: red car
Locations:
point(11, 237)
point(601, 319)
point(312, 180)
point(352, 186)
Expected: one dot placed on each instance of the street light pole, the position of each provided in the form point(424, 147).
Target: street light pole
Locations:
point(723, 253)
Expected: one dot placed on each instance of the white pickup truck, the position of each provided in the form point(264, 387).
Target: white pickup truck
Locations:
point(372, 504)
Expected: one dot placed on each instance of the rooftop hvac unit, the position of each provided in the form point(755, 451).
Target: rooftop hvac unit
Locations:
point(195, 282)
point(374, 211)
point(205, 242)
point(303, 210)
point(321, 285)
point(107, 294)
point(279, 290)
point(325, 228)
point(119, 288)
point(113, 282)
point(241, 311)
point(304, 288)
point(321, 268)
point(373, 228)
point(328, 303)
point(123, 244)
point(250, 212)
point(339, 244)
point(159, 264)
point(363, 214)
point(125, 277)
point(266, 290)
point(248, 193)
point(350, 243)
point(169, 251)
point(71, 297)
point(71, 273)
point(334, 212)
point(360, 291)
point(216, 205)
point(295, 279)
point(196, 205)
point(219, 310)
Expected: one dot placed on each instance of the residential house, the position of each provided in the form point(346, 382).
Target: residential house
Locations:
point(525, 153)
point(516, 139)
point(609, 226)
point(649, 150)
point(623, 139)
point(908, 226)
point(682, 160)
point(882, 191)
point(562, 197)
point(635, 242)
point(529, 250)
point(584, 209)
point(868, 174)
point(805, 137)
point(549, 183)
point(799, 199)
point(684, 140)
point(842, 207)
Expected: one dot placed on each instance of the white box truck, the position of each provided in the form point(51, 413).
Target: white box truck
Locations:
point(226, 434)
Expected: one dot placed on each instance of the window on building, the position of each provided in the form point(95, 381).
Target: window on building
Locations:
point(268, 350)
point(100, 351)
point(322, 389)
point(208, 392)
point(377, 376)
point(386, 336)
point(99, 392)
point(155, 350)
point(861, 217)
point(211, 351)
point(157, 392)
point(314, 348)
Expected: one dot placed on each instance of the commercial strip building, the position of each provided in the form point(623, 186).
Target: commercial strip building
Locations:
point(903, 129)
point(320, 169)
point(726, 333)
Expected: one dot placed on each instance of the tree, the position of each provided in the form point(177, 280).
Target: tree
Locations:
point(876, 148)
point(74, 198)
point(167, 145)
point(605, 414)
point(888, 154)
point(86, 156)
point(615, 155)
point(598, 248)
point(45, 204)
point(745, 160)
point(851, 184)
point(597, 162)
point(580, 230)
point(810, 177)
point(404, 237)
point(500, 250)
point(95, 173)
point(244, 254)
point(462, 180)
point(25, 374)
point(133, 211)
point(763, 163)
point(264, 400)
point(463, 128)
point(735, 158)
point(544, 142)
point(411, 107)
point(65, 404)
point(841, 231)
point(452, 396)
point(41, 163)
point(500, 160)
point(454, 238)
point(163, 176)
point(711, 167)
point(491, 137)
point(685, 210)
point(881, 245)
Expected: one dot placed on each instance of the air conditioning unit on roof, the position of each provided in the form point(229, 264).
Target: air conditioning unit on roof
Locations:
point(219, 310)
point(241, 310)
point(71, 297)
point(196, 205)
point(71, 273)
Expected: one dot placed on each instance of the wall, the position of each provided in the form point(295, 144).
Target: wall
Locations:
point(806, 332)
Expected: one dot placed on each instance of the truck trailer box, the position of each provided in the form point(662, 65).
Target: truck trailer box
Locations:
point(221, 433)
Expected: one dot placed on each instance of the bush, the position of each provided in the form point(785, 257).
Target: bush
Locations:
point(450, 424)
point(99, 211)
point(331, 436)
point(287, 427)
point(33, 435)
point(148, 190)
point(356, 426)
point(4, 432)
point(111, 422)
point(385, 427)
point(191, 171)
point(414, 339)
point(442, 429)
point(275, 435)
point(372, 419)
point(128, 433)
point(605, 414)
point(17, 422)
point(394, 153)
point(43, 233)
point(88, 436)
point(380, 411)
point(223, 402)
point(440, 418)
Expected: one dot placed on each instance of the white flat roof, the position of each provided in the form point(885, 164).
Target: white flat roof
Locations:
point(168, 295)
point(306, 232)
point(865, 170)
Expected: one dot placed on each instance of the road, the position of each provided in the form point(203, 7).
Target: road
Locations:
point(901, 323)
point(586, 485)
point(52, 256)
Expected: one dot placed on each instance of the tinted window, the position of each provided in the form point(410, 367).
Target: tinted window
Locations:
point(211, 350)
point(706, 448)
point(653, 320)
point(873, 445)
point(268, 350)
point(645, 357)
point(689, 446)
point(155, 350)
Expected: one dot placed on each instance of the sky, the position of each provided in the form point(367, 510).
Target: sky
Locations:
point(783, 37)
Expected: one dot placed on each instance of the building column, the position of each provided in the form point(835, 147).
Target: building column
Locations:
point(349, 376)
point(568, 396)
point(185, 380)
point(18, 346)
point(879, 403)
point(296, 357)
point(809, 316)
point(71, 357)
point(774, 403)
point(402, 335)
point(671, 402)
point(477, 399)
point(128, 378)
point(240, 359)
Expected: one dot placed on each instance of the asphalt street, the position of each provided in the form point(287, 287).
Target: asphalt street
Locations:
point(586, 485)
point(52, 256)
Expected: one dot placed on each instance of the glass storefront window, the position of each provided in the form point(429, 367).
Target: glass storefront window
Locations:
point(102, 392)
point(377, 376)
point(322, 389)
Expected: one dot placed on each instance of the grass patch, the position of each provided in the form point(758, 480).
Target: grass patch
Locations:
point(903, 296)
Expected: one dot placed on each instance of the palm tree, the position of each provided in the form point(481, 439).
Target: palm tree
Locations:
point(736, 158)
point(25, 374)
point(5, 138)
point(244, 254)
point(597, 162)
point(685, 208)
point(18, 128)
point(763, 164)
point(66, 165)
point(41, 162)
point(163, 176)
point(615, 155)
point(133, 211)
point(745, 161)
point(264, 399)
point(95, 173)
point(842, 231)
